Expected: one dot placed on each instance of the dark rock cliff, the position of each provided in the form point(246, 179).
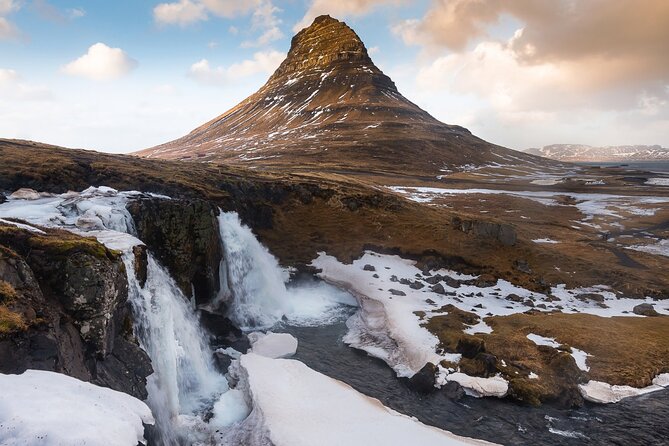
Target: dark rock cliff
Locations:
point(63, 308)
point(184, 237)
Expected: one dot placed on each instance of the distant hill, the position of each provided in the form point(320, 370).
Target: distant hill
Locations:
point(328, 107)
point(584, 153)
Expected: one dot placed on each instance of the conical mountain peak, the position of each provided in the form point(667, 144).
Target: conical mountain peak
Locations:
point(326, 43)
point(328, 106)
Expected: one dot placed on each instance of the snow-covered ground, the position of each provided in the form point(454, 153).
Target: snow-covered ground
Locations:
point(590, 205)
point(293, 405)
point(658, 181)
point(391, 290)
point(661, 248)
point(46, 408)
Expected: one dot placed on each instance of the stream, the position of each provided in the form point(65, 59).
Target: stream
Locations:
point(634, 421)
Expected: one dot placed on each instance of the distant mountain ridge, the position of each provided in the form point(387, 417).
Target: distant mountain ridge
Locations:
point(329, 107)
point(585, 153)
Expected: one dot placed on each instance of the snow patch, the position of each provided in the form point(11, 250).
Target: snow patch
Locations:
point(39, 407)
point(293, 405)
point(273, 345)
point(603, 393)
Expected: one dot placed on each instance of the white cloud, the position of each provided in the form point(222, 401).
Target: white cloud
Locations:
point(12, 87)
point(340, 9)
point(262, 62)
point(7, 29)
point(101, 63)
point(265, 19)
point(229, 8)
point(8, 6)
point(182, 13)
point(76, 13)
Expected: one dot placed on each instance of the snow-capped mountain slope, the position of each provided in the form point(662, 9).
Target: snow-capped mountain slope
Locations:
point(581, 152)
point(328, 106)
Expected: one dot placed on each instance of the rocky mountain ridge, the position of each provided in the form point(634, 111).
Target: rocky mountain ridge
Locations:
point(328, 107)
point(586, 153)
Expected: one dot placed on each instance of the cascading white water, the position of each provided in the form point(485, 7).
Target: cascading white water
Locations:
point(185, 383)
point(257, 284)
point(255, 280)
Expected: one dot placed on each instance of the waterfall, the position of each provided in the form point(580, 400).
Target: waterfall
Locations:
point(259, 297)
point(255, 280)
point(185, 383)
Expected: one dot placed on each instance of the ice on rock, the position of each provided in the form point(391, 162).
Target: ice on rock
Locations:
point(478, 387)
point(47, 408)
point(273, 345)
point(604, 393)
point(25, 194)
point(662, 380)
point(293, 405)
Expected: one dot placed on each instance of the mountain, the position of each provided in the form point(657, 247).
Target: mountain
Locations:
point(584, 153)
point(329, 107)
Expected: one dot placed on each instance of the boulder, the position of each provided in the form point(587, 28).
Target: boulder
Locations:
point(397, 292)
point(645, 310)
point(486, 281)
point(438, 288)
point(416, 285)
point(501, 232)
point(25, 194)
point(425, 379)
point(369, 267)
point(470, 346)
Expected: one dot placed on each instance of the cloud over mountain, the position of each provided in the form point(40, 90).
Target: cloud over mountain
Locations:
point(101, 63)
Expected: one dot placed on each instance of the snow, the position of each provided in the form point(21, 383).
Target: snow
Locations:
point(479, 387)
point(542, 340)
point(662, 380)
point(547, 181)
point(545, 240)
point(533, 375)
point(589, 204)
point(603, 393)
point(481, 327)
point(660, 248)
point(658, 181)
point(22, 226)
point(273, 345)
point(579, 356)
point(46, 408)
point(387, 327)
point(296, 406)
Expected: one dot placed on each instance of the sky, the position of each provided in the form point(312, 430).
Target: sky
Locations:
point(124, 75)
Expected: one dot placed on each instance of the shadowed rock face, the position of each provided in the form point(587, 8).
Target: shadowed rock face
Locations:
point(67, 298)
point(329, 107)
point(184, 236)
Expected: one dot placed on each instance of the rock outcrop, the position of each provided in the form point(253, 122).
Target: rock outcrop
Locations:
point(63, 308)
point(184, 237)
point(502, 232)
